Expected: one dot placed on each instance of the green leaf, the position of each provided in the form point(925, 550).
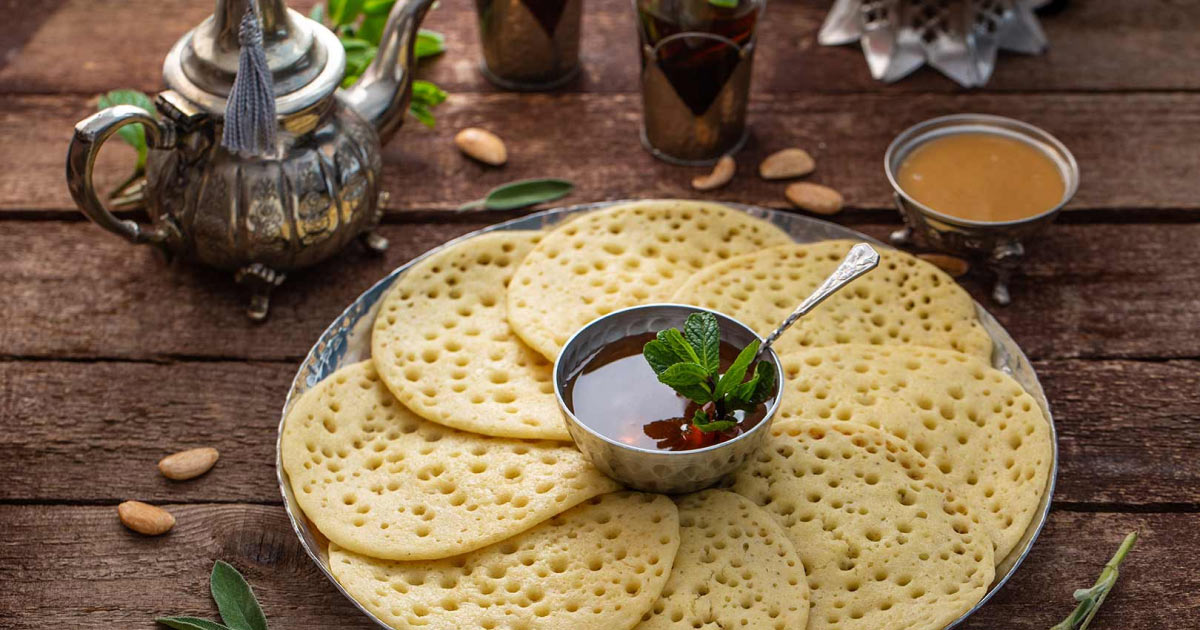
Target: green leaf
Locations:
point(133, 135)
point(683, 375)
point(737, 371)
point(724, 4)
point(520, 194)
point(355, 44)
point(239, 608)
point(427, 93)
point(704, 334)
point(371, 28)
point(422, 114)
point(659, 356)
point(344, 12)
point(709, 427)
point(190, 623)
point(376, 8)
point(764, 381)
point(429, 43)
point(318, 13)
point(683, 351)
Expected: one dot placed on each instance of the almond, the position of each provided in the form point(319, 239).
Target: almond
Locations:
point(482, 145)
point(721, 174)
point(815, 198)
point(787, 164)
point(144, 518)
point(188, 464)
point(952, 265)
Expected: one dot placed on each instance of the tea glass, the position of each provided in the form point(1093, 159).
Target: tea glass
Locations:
point(529, 45)
point(696, 60)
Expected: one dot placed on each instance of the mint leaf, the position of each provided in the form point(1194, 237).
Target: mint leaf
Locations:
point(521, 193)
point(719, 425)
point(190, 623)
point(133, 135)
point(764, 374)
point(683, 375)
point(376, 8)
point(371, 28)
point(236, 602)
point(704, 334)
point(429, 43)
point(724, 4)
point(658, 356)
point(737, 371)
point(679, 346)
point(344, 12)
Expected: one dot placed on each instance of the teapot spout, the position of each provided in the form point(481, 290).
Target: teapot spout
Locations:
point(382, 94)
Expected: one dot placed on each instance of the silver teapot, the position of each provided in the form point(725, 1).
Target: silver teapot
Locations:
point(260, 216)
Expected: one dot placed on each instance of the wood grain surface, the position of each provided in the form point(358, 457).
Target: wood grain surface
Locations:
point(110, 358)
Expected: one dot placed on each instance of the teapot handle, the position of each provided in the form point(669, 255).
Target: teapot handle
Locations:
point(90, 134)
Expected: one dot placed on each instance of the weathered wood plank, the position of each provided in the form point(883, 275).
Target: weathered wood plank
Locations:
point(71, 291)
point(1095, 45)
point(77, 567)
point(94, 431)
point(1135, 151)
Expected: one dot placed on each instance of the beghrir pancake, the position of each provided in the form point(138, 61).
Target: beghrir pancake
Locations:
point(885, 543)
point(735, 568)
point(443, 346)
point(629, 254)
point(974, 423)
point(599, 566)
point(377, 479)
point(903, 301)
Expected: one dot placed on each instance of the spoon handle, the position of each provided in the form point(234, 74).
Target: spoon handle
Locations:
point(861, 259)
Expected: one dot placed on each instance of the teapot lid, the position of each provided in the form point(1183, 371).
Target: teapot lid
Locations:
point(306, 59)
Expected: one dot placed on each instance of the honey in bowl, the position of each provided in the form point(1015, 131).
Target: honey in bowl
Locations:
point(979, 176)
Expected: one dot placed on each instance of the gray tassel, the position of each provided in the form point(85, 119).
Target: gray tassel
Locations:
point(250, 109)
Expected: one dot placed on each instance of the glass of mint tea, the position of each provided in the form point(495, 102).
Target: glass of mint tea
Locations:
point(529, 44)
point(696, 60)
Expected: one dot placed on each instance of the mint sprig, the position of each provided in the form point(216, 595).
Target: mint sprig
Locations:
point(690, 362)
point(236, 602)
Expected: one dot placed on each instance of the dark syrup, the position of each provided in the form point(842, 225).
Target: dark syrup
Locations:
point(617, 394)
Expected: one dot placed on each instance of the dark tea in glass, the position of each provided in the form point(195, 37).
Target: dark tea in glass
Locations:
point(696, 62)
point(529, 44)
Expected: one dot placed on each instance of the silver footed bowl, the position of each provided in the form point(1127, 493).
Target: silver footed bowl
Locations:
point(653, 470)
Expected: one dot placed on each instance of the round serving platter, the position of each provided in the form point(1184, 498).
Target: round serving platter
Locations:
point(348, 340)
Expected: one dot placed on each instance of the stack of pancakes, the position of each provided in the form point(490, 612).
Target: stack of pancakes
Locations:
point(901, 467)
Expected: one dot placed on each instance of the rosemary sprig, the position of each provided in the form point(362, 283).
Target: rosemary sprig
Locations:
point(1090, 598)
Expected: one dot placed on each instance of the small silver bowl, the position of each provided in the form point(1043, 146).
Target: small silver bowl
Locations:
point(1000, 244)
point(649, 469)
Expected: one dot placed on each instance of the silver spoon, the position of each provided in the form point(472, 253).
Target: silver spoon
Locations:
point(861, 259)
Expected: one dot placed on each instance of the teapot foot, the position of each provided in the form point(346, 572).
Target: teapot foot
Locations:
point(261, 280)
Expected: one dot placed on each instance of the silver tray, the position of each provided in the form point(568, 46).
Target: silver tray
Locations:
point(348, 340)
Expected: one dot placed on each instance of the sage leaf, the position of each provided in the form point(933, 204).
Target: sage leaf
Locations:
point(133, 135)
point(704, 334)
point(429, 43)
point(521, 194)
point(737, 371)
point(190, 623)
point(235, 600)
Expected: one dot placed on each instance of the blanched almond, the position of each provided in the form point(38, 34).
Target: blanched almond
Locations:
point(787, 164)
point(952, 265)
point(188, 464)
point(815, 198)
point(482, 145)
point(721, 174)
point(144, 518)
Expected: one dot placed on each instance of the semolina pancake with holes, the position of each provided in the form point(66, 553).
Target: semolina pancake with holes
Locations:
point(443, 345)
point(905, 300)
point(885, 544)
point(599, 566)
point(975, 423)
point(626, 255)
point(735, 568)
point(377, 479)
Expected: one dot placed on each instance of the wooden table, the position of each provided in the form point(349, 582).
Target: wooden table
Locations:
point(109, 359)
